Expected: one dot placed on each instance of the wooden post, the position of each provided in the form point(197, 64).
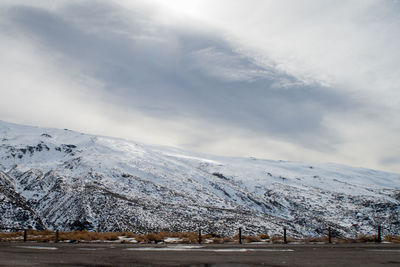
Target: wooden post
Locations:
point(379, 237)
point(240, 235)
point(284, 235)
point(56, 241)
point(199, 236)
point(329, 235)
point(25, 234)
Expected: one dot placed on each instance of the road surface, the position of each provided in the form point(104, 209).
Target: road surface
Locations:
point(110, 254)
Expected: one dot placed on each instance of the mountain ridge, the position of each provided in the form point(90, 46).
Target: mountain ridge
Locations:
point(71, 180)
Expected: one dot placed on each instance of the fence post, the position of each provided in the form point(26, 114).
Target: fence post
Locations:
point(25, 234)
point(284, 235)
point(240, 235)
point(329, 235)
point(199, 236)
point(379, 237)
point(56, 241)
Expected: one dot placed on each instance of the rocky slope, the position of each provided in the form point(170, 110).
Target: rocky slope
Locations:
point(60, 179)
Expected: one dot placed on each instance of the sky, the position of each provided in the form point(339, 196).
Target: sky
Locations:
point(310, 80)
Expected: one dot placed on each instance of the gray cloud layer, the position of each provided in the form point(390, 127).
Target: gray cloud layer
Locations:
point(182, 73)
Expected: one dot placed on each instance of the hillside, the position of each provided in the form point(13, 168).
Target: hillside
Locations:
point(61, 179)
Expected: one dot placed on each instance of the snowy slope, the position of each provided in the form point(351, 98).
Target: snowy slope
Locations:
point(67, 180)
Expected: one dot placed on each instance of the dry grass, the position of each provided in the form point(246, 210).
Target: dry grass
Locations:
point(366, 238)
point(228, 239)
point(207, 236)
point(40, 236)
point(277, 239)
point(128, 234)
point(392, 238)
point(251, 238)
point(32, 235)
point(92, 236)
point(218, 240)
point(248, 238)
point(359, 239)
point(88, 236)
point(48, 236)
point(184, 237)
point(221, 240)
point(316, 239)
point(263, 236)
point(11, 236)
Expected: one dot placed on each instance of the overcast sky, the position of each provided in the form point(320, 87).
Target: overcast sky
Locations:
point(310, 80)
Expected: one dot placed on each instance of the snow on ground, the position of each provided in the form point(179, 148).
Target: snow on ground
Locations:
point(173, 240)
point(68, 180)
point(35, 247)
point(127, 239)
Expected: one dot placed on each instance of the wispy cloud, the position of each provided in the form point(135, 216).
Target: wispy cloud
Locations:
point(285, 82)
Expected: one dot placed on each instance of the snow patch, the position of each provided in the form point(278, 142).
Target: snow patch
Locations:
point(34, 247)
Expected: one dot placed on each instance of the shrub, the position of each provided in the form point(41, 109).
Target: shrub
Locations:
point(142, 239)
point(218, 240)
point(186, 237)
point(87, 236)
point(11, 236)
point(277, 239)
point(263, 236)
point(129, 234)
point(392, 238)
point(252, 238)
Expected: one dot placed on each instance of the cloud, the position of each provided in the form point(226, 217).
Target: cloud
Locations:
point(281, 78)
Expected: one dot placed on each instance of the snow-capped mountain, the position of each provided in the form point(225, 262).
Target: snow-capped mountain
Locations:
point(61, 179)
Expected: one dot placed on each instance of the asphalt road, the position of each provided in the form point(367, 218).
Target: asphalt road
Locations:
point(108, 254)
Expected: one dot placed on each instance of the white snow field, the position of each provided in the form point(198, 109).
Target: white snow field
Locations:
point(61, 179)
